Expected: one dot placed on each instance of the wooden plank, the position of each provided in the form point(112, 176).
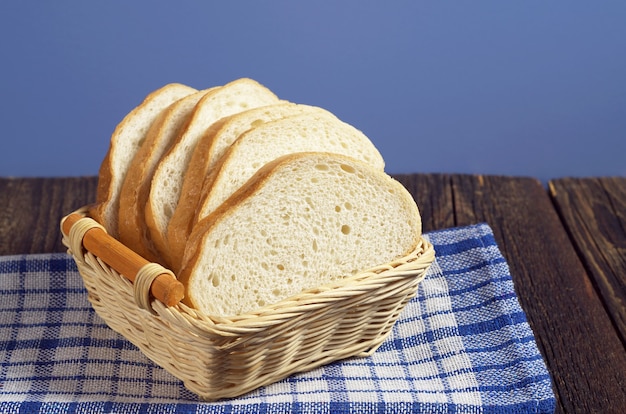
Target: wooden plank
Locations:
point(31, 210)
point(594, 211)
point(583, 352)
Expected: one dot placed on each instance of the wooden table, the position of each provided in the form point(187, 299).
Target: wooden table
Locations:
point(565, 245)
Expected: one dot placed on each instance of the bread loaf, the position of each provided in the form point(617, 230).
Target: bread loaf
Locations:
point(302, 221)
point(125, 142)
point(250, 199)
point(165, 190)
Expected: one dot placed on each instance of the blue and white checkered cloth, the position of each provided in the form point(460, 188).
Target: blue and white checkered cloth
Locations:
point(462, 345)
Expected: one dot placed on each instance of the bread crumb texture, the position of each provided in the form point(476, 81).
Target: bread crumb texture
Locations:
point(315, 219)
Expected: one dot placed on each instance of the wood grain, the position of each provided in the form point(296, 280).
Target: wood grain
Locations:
point(31, 210)
point(574, 332)
point(594, 211)
point(581, 348)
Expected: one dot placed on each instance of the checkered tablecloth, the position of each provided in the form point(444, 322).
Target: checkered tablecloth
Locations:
point(462, 345)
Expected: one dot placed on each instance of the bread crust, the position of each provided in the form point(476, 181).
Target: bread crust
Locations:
point(231, 98)
point(128, 133)
point(179, 227)
point(134, 193)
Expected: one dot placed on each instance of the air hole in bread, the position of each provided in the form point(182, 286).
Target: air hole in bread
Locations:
point(348, 168)
point(309, 201)
point(276, 292)
point(168, 210)
point(280, 267)
point(345, 229)
point(347, 205)
point(322, 167)
point(314, 180)
point(315, 247)
point(337, 209)
point(215, 280)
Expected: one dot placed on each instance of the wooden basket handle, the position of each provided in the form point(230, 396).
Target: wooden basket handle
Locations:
point(165, 287)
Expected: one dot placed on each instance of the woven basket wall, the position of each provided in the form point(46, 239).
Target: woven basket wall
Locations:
point(220, 357)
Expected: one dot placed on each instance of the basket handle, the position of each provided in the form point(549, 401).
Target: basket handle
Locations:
point(164, 287)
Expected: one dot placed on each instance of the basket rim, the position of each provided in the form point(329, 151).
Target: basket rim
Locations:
point(414, 265)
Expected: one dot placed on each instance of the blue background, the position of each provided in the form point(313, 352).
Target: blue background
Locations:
point(534, 88)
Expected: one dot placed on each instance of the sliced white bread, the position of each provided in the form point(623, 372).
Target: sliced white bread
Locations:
point(234, 97)
point(304, 220)
point(125, 141)
point(220, 137)
point(132, 228)
point(306, 132)
point(235, 125)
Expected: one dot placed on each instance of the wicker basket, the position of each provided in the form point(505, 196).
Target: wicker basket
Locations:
point(219, 357)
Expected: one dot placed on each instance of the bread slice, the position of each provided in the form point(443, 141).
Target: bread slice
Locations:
point(220, 137)
point(306, 132)
point(234, 97)
point(132, 228)
point(303, 221)
point(125, 142)
point(233, 126)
